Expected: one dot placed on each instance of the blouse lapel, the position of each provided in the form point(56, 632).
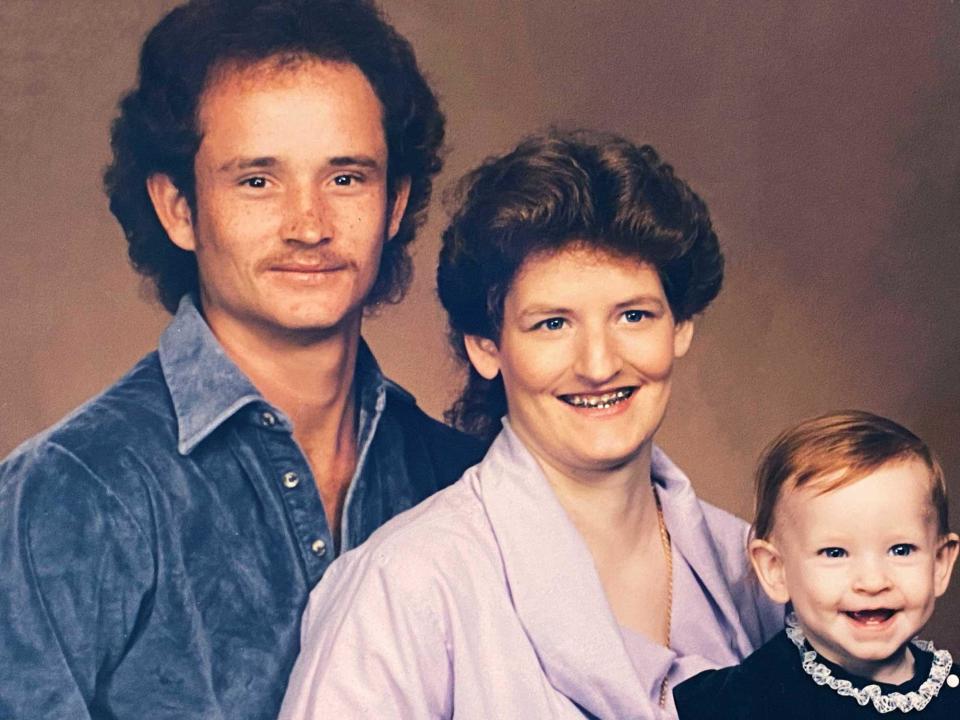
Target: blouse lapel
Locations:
point(555, 587)
point(691, 537)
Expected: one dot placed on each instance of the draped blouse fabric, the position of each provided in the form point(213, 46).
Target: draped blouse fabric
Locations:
point(484, 602)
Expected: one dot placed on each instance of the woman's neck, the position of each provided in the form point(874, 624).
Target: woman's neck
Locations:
point(610, 507)
point(616, 513)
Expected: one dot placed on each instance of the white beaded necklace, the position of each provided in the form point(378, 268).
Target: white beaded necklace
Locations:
point(913, 700)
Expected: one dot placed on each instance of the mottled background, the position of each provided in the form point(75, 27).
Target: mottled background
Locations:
point(824, 136)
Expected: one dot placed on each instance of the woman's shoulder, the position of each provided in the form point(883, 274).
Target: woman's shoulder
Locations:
point(445, 536)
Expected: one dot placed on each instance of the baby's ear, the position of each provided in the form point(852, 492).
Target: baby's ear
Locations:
point(768, 565)
point(943, 564)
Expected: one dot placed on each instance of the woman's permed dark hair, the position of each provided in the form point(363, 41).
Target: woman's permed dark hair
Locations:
point(156, 130)
point(553, 190)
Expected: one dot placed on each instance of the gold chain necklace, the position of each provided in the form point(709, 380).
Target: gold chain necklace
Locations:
point(668, 556)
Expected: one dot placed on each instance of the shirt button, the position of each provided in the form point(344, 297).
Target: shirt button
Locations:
point(268, 419)
point(290, 480)
point(319, 548)
point(953, 680)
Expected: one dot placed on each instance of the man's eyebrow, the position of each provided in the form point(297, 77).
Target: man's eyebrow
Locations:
point(249, 163)
point(244, 163)
point(356, 161)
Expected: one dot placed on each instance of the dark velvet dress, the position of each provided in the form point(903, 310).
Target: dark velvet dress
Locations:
point(771, 684)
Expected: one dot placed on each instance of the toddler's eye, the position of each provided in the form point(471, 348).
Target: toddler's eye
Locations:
point(833, 552)
point(902, 549)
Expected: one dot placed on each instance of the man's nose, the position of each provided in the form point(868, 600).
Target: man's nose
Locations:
point(307, 220)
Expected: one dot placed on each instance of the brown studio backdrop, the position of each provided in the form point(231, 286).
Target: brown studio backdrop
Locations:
point(823, 135)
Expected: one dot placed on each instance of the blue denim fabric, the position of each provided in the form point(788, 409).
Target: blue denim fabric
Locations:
point(158, 545)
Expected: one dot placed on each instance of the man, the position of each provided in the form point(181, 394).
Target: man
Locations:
point(157, 546)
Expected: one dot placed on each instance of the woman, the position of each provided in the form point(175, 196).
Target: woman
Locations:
point(573, 572)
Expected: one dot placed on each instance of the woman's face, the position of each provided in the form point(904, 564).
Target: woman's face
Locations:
point(586, 353)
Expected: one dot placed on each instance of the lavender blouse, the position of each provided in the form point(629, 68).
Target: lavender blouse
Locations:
point(484, 602)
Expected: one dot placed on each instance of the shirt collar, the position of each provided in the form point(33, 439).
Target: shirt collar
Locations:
point(207, 388)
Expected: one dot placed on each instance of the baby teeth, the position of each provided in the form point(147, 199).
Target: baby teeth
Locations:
point(598, 401)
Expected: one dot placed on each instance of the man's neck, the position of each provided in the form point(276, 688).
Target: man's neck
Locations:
point(310, 377)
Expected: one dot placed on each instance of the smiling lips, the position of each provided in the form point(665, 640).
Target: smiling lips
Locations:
point(308, 269)
point(876, 616)
point(598, 401)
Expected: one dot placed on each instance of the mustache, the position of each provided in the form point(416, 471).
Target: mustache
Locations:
point(318, 258)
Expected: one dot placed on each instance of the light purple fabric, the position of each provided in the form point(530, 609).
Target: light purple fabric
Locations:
point(484, 600)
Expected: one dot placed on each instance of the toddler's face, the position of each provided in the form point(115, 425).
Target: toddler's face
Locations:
point(862, 565)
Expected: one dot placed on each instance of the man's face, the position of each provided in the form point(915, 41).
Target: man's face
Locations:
point(292, 207)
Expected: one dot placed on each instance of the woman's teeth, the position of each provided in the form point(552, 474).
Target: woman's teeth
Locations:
point(598, 401)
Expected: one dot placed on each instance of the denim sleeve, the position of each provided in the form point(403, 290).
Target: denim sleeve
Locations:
point(75, 574)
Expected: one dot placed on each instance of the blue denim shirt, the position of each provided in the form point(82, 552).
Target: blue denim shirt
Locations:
point(157, 546)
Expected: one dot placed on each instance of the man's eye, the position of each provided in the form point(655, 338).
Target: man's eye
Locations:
point(345, 180)
point(635, 316)
point(833, 552)
point(902, 549)
point(257, 182)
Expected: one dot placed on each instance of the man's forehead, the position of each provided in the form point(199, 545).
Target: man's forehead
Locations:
point(249, 75)
point(247, 89)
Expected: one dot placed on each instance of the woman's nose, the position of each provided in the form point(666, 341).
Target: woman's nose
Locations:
point(598, 357)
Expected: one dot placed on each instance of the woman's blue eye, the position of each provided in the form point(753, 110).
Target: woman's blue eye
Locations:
point(902, 549)
point(553, 323)
point(833, 552)
point(635, 316)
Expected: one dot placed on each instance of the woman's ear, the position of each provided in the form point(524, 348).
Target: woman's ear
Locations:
point(484, 355)
point(682, 337)
point(173, 211)
point(768, 565)
point(943, 563)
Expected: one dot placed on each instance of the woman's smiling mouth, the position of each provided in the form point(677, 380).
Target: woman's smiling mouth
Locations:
point(598, 401)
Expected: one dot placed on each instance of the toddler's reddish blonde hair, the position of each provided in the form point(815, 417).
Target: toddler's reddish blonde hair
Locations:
point(834, 450)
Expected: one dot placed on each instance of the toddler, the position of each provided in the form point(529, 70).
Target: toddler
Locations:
point(851, 529)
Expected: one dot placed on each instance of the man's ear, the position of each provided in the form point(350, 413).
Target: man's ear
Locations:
point(484, 355)
point(173, 210)
point(401, 195)
point(943, 563)
point(768, 565)
point(682, 337)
